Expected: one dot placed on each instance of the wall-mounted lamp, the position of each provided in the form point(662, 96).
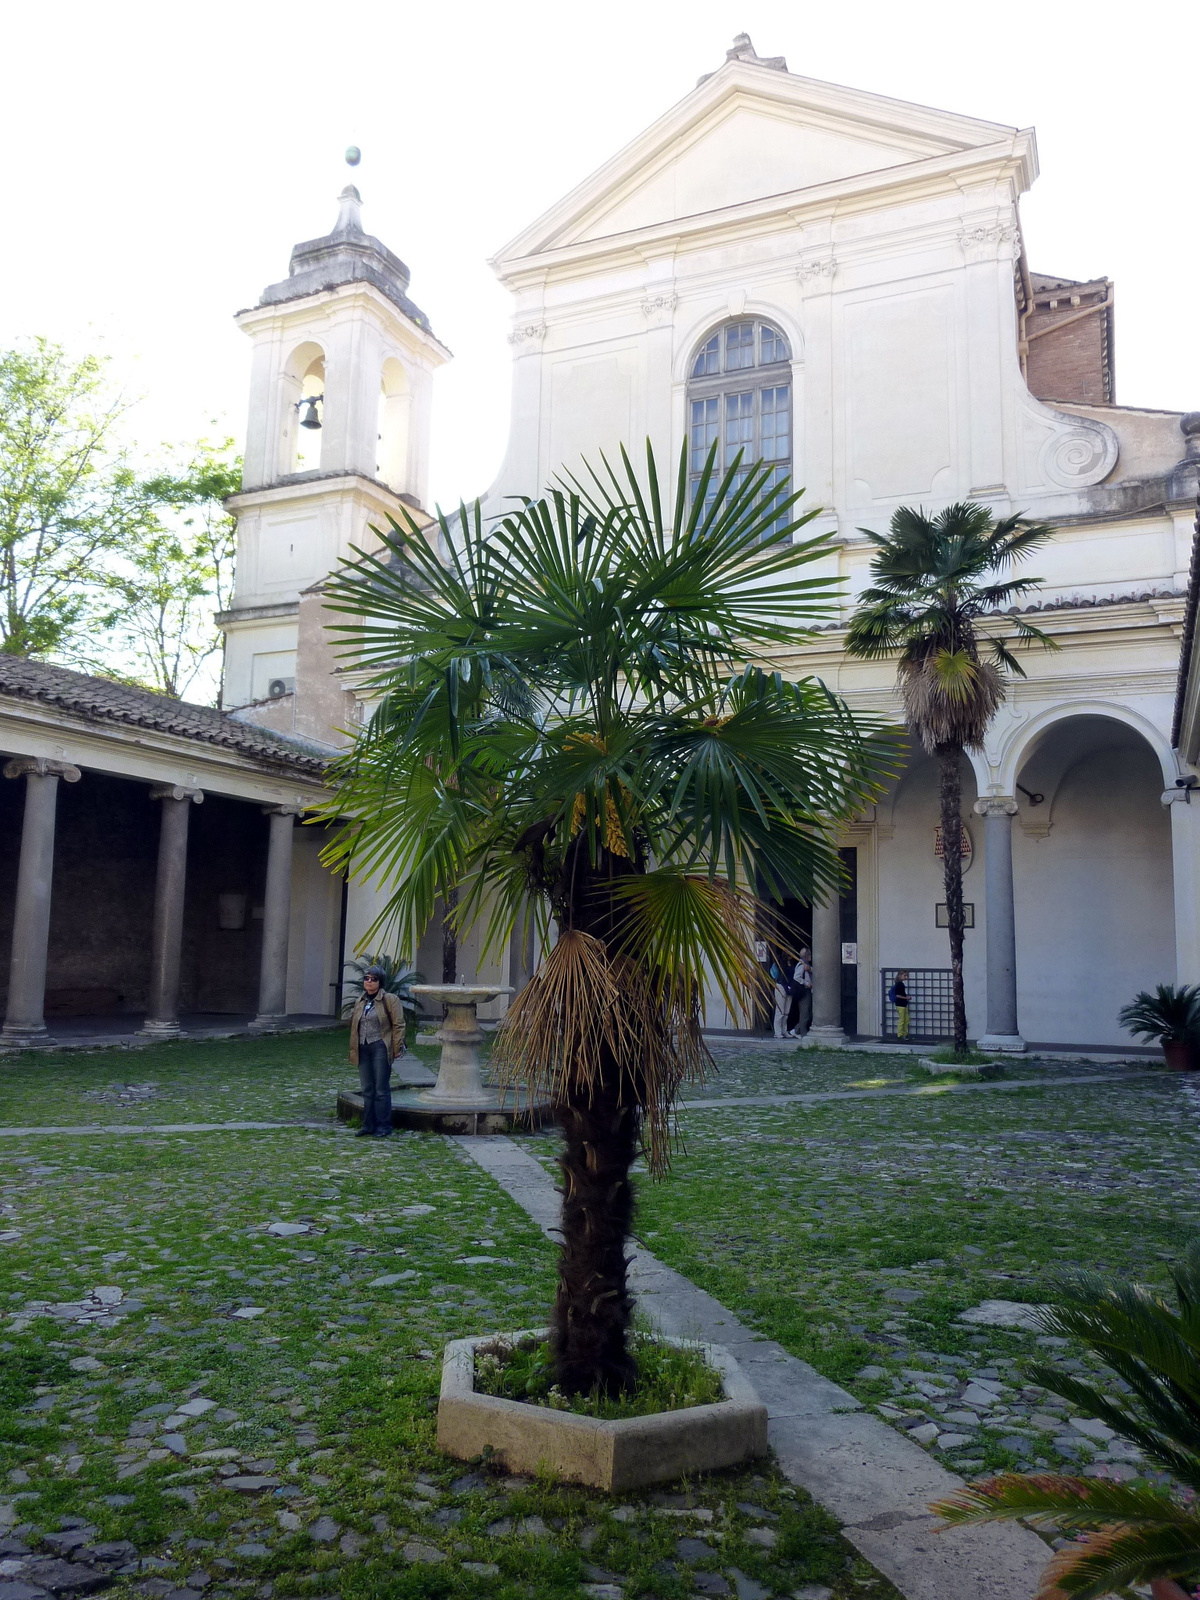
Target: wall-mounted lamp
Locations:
point(308, 405)
point(1189, 785)
point(1034, 799)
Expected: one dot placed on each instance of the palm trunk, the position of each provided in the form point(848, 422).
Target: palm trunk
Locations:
point(593, 1306)
point(950, 795)
point(450, 938)
point(593, 1309)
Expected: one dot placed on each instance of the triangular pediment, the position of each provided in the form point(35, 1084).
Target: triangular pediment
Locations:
point(746, 134)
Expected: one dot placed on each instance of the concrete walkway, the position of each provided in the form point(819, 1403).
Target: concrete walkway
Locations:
point(877, 1483)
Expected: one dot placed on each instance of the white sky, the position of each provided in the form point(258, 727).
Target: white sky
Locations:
point(161, 159)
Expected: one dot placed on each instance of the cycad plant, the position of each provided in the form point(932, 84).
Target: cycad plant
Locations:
point(936, 579)
point(571, 727)
point(398, 979)
point(1170, 1015)
point(1134, 1533)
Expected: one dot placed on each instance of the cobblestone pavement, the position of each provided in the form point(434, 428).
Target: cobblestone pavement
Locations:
point(219, 1364)
point(858, 1232)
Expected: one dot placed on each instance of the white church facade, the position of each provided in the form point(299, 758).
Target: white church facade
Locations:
point(837, 282)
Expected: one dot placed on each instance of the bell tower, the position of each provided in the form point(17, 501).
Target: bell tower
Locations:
point(338, 436)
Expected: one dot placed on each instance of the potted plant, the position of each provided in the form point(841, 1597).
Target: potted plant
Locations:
point(570, 724)
point(1172, 1016)
point(1132, 1533)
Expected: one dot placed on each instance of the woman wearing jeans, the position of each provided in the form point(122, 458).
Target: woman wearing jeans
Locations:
point(376, 1039)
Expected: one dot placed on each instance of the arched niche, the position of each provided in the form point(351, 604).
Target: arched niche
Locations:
point(1092, 876)
point(395, 421)
point(302, 378)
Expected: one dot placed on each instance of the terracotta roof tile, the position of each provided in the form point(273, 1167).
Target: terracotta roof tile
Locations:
point(103, 700)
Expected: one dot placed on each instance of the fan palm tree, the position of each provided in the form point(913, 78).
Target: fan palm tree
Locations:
point(1135, 1533)
point(935, 580)
point(567, 729)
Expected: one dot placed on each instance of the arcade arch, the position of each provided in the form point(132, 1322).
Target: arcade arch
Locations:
point(1092, 875)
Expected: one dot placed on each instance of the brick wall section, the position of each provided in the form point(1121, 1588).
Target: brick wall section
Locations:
point(1069, 355)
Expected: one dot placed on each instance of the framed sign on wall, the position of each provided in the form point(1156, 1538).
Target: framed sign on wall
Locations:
point(942, 916)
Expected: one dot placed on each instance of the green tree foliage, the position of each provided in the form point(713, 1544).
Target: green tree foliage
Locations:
point(103, 565)
point(164, 590)
point(67, 497)
point(572, 724)
point(935, 580)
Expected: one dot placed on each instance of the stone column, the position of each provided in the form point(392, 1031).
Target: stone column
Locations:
point(24, 1022)
point(1183, 804)
point(826, 1031)
point(997, 811)
point(162, 1017)
point(277, 911)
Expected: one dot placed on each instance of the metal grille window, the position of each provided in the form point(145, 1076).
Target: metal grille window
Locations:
point(930, 1003)
point(740, 396)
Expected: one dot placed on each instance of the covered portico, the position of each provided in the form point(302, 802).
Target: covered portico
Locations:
point(153, 878)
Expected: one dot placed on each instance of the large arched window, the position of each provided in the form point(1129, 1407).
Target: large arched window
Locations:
point(740, 396)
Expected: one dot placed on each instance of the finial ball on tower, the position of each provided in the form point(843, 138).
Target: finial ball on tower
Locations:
point(353, 156)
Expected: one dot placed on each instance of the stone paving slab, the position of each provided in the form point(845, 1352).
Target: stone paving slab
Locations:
point(875, 1482)
point(918, 1089)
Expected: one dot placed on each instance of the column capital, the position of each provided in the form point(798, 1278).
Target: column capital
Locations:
point(41, 767)
point(177, 791)
point(285, 809)
point(995, 805)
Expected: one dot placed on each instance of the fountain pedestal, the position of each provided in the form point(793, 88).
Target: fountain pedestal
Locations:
point(460, 1101)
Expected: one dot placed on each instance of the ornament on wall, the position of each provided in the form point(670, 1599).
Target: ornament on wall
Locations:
point(983, 243)
point(1080, 455)
point(659, 308)
point(817, 272)
point(528, 332)
point(966, 848)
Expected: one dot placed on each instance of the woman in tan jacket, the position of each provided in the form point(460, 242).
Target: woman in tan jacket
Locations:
point(376, 1039)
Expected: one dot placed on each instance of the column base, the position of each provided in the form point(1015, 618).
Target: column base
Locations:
point(268, 1022)
point(824, 1039)
point(1008, 1043)
point(21, 1036)
point(160, 1030)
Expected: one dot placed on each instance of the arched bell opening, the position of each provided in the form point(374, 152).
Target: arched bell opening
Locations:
point(303, 383)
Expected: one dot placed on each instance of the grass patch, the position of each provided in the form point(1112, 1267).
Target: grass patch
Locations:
point(963, 1058)
point(670, 1377)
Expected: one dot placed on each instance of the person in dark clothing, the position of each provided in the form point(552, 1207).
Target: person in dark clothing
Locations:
point(900, 999)
point(376, 1039)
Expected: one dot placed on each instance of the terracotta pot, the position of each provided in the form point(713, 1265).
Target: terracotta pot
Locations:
point(1181, 1055)
point(1168, 1589)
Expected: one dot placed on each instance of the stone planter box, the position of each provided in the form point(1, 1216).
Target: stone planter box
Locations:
point(614, 1456)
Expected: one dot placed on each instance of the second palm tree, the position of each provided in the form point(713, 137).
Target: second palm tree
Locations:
point(936, 579)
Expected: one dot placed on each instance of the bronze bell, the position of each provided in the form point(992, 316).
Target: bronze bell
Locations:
point(310, 419)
